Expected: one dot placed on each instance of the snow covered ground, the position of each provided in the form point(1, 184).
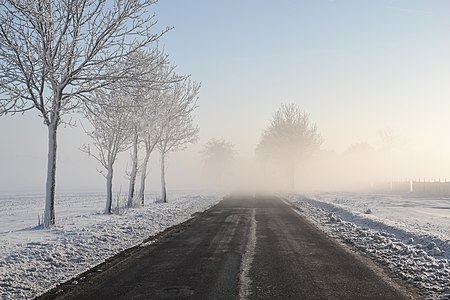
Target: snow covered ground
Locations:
point(408, 234)
point(35, 260)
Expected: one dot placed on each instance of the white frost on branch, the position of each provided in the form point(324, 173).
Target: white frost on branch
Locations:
point(111, 120)
point(55, 54)
point(178, 130)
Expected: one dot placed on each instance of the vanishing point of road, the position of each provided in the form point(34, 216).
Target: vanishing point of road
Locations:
point(243, 248)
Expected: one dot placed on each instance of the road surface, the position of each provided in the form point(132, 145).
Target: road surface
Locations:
point(243, 248)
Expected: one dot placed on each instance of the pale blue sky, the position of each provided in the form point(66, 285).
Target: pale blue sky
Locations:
point(363, 64)
point(354, 66)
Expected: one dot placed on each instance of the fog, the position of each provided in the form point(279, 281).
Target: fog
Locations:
point(357, 68)
point(355, 166)
point(361, 167)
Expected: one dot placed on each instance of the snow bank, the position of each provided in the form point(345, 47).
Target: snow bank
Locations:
point(403, 244)
point(35, 260)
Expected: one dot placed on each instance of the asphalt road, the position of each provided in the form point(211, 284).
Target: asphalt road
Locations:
point(243, 248)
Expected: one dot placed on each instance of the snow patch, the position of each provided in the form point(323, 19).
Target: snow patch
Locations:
point(35, 260)
point(421, 258)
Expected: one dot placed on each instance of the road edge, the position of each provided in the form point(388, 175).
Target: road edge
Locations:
point(388, 275)
point(66, 286)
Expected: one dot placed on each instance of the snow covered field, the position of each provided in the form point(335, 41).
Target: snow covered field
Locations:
point(35, 260)
point(408, 234)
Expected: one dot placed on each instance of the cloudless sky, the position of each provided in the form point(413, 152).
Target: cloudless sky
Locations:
point(354, 66)
point(358, 65)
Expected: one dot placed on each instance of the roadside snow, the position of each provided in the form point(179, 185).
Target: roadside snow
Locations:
point(409, 235)
point(35, 260)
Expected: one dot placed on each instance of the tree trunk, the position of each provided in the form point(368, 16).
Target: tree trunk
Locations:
point(143, 177)
point(133, 175)
point(163, 180)
point(109, 178)
point(49, 214)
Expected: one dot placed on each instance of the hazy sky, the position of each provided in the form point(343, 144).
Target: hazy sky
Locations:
point(354, 66)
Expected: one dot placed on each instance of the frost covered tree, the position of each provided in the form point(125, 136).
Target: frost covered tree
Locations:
point(150, 135)
point(53, 54)
point(116, 116)
point(155, 115)
point(146, 132)
point(390, 139)
point(218, 156)
point(110, 118)
point(145, 105)
point(290, 138)
point(178, 129)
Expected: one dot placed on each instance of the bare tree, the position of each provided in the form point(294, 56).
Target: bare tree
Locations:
point(111, 118)
point(53, 54)
point(155, 115)
point(142, 101)
point(389, 139)
point(178, 130)
point(134, 164)
point(289, 138)
point(117, 116)
point(391, 142)
point(151, 136)
point(151, 132)
point(218, 156)
point(147, 106)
